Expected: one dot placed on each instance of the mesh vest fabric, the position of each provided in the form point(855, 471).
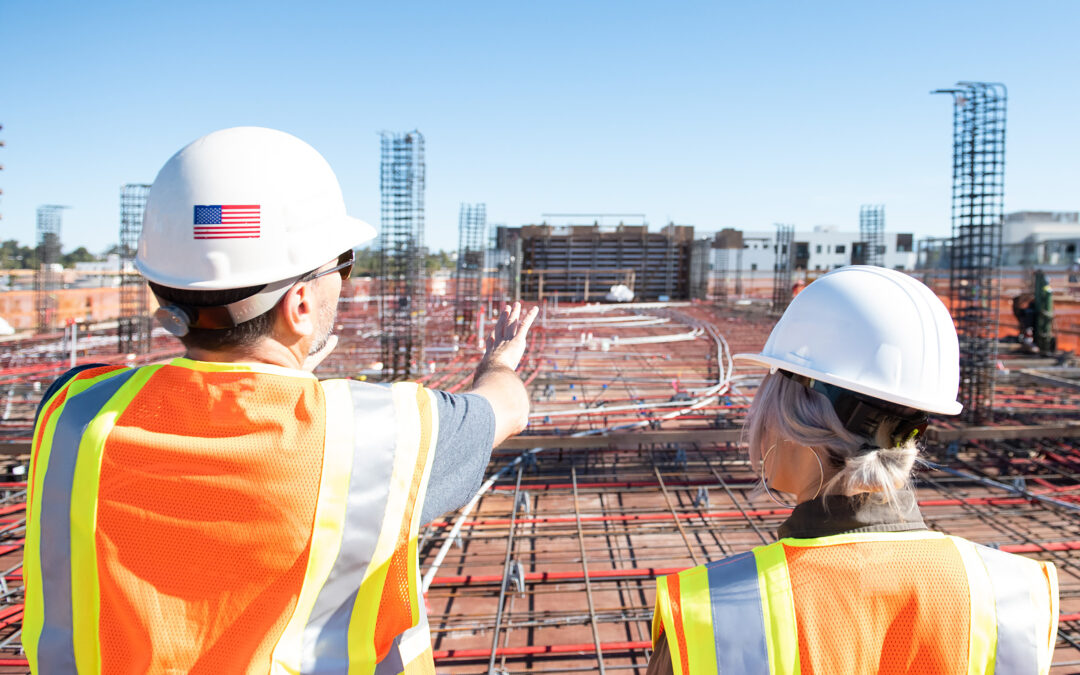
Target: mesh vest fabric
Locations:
point(861, 603)
point(209, 511)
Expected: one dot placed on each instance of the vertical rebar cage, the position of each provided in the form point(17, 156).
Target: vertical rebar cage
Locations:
point(134, 324)
point(469, 273)
point(47, 280)
point(978, 207)
point(782, 268)
point(401, 279)
point(872, 232)
point(721, 265)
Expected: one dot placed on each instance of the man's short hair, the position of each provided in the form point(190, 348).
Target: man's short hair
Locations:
point(241, 335)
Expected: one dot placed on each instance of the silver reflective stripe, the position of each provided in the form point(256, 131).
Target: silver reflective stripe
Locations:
point(738, 622)
point(56, 646)
point(326, 635)
point(1014, 586)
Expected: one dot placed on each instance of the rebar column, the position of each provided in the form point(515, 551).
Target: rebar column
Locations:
point(782, 268)
point(47, 280)
point(721, 260)
point(872, 232)
point(978, 206)
point(134, 322)
point(469, 273)
point(401, 279)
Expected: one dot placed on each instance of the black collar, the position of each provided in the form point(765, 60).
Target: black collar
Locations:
point(839, 514)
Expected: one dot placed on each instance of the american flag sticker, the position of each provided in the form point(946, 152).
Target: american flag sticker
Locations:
point(227, 221)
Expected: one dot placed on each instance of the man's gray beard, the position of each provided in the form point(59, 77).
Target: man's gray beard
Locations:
point(328, 314)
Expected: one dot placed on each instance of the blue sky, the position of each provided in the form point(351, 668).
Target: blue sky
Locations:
point(711, 114)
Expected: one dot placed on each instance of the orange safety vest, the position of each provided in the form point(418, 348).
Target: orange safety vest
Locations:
point(898, 602)
point(205, 517)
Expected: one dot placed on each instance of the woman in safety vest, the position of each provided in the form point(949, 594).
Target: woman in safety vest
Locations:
point(856, 583)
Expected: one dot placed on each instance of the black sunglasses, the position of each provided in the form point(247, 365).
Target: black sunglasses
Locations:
point(344, 267)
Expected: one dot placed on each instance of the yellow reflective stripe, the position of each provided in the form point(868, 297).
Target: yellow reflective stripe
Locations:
point(329, 522)
point(85, 591)
point(252, 367)
point(1047, 655)
point(982, 641)
point(663, 616)
point(778, 609)
point(429, 435)
point(423, 664)
point(34, 607)
point(697, 620)
point(366, 607)
point(862, 538)
point(415, 650)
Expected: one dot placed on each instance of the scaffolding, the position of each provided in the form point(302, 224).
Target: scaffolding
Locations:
point(872, 233)
point(469, 273)
point(47, 280)
point(135, 323)
point(401, 275)
point(783, 267)
point(978, 206)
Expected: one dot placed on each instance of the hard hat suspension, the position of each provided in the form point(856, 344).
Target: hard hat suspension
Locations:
point(179, 318)
point(864, 415)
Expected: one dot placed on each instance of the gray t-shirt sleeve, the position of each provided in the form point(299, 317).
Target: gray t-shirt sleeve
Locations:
point(462, 452)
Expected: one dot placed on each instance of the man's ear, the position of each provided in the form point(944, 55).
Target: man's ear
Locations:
point(296, 311)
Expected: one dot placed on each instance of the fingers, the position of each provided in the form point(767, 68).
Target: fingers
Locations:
point(515, 314)
point(527, 322)
point(501, 324)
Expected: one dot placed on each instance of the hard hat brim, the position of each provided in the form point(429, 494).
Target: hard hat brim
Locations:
point(941, 407)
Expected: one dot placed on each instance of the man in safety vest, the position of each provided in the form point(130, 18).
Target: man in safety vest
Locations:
point(227, 511)
point(856, 583)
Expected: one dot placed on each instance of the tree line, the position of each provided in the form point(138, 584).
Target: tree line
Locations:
point(14, 256)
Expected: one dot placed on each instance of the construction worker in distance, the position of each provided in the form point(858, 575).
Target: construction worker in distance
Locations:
point(856, 583)
point(227, 512)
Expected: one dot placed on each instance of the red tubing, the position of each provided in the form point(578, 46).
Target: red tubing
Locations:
point(588, 647)
point(653, 572)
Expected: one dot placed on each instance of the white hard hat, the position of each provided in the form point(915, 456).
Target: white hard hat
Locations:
point(244, 207)
point(874, 331)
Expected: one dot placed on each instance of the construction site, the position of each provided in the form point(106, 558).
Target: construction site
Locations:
point(634, 463)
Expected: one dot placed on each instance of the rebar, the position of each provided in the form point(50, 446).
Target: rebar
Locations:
point(783, 267)
point(401, 273)
point(978, 203)
point(872, 234)
point(47, 280)
point(469, 273)
point(134, 321)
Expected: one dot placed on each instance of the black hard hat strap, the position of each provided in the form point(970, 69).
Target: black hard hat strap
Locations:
point(863, 415)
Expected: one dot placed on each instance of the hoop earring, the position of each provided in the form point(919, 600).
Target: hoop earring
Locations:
point(765, 483)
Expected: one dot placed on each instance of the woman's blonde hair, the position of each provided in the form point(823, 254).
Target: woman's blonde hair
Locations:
point(784, 410)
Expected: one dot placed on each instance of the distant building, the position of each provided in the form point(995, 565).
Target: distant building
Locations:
point(582, 262)
point(824, 248)
point(1046, 238)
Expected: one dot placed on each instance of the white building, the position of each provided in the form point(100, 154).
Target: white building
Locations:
point(822, 249)
point(1046, 238)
